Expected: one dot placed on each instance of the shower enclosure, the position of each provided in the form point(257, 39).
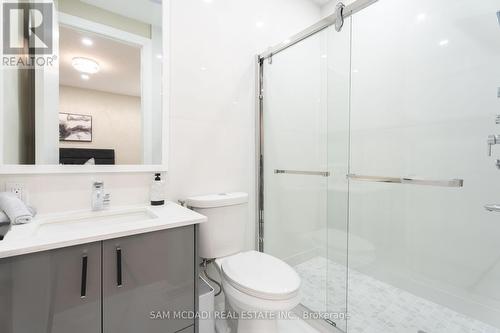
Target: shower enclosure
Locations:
point(378, 178)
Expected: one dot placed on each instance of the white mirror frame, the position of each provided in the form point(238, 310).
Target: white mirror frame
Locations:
point(80, 169)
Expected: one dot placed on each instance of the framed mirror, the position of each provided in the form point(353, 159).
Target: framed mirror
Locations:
point(84, 92)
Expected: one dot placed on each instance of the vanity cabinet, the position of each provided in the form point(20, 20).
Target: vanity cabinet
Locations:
point(57, 291)
point(148, 280)
point(110, 286)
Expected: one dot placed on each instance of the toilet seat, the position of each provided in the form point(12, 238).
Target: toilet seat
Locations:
point(261, 275)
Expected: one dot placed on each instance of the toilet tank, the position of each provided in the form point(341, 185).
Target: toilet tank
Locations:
point(224, 232)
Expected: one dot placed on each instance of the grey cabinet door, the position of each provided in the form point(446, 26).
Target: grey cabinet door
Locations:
point(155, 284)
point(41, 293)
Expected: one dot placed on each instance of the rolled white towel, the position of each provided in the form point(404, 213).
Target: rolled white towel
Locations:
point(15, 209)
point(4, 219)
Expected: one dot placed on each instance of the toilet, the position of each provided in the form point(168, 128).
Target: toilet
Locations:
point(258, 287)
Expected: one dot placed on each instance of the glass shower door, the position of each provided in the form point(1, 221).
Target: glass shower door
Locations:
point(294, 153)
point(298, 173)
point(424, 255)
point(305, 149)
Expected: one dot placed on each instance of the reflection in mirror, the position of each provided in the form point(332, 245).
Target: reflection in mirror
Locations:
point(99, 99)
point(102, 102)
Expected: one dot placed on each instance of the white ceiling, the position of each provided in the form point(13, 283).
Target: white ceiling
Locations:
point(120, 63)
point(147, 11)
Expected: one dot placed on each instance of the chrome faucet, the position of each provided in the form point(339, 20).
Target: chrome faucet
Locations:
point(100, 199)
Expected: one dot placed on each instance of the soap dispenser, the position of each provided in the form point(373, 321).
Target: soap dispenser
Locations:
point(157, 191)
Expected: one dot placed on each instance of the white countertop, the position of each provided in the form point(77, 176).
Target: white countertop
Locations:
point(25, 239)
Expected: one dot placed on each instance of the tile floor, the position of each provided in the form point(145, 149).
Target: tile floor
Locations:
point(377, 307)
point(284, 326)
point(295, 326)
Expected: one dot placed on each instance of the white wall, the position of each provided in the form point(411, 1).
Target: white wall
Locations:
point(212, 110)
point(213, 84)
point(116, 121)
point(55, 193)
point(329, 8)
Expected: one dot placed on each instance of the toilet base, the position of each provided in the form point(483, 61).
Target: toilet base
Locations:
point(249, 318)
point(252, 314)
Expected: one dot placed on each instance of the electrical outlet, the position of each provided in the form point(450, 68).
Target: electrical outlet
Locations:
point(18, 189)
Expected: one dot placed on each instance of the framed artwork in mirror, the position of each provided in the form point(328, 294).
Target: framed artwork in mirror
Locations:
point(75, 127)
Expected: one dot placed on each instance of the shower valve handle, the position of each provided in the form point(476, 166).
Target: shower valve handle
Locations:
point(492, 140)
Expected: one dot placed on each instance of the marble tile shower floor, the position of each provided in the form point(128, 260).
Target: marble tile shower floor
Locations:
point(377, 307)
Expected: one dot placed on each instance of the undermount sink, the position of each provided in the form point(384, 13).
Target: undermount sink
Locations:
point(88, 221)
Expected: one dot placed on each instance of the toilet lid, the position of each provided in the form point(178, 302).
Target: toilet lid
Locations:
point(261, 275)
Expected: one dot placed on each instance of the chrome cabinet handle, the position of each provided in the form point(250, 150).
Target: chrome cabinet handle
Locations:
point(118, 267)
point(83, 286)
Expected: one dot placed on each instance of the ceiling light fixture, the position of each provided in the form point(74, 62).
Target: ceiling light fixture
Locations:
point(85, 65)
point(87, 41)
point(421, 17)
point(85, 77)
point(444, 42)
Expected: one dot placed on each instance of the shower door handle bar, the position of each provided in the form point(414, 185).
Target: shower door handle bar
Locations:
point(304, 173)
point(410, 181)
point(493, 208)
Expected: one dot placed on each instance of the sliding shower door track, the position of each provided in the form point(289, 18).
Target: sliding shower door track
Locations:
point(347, 11)
point(322, 326)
